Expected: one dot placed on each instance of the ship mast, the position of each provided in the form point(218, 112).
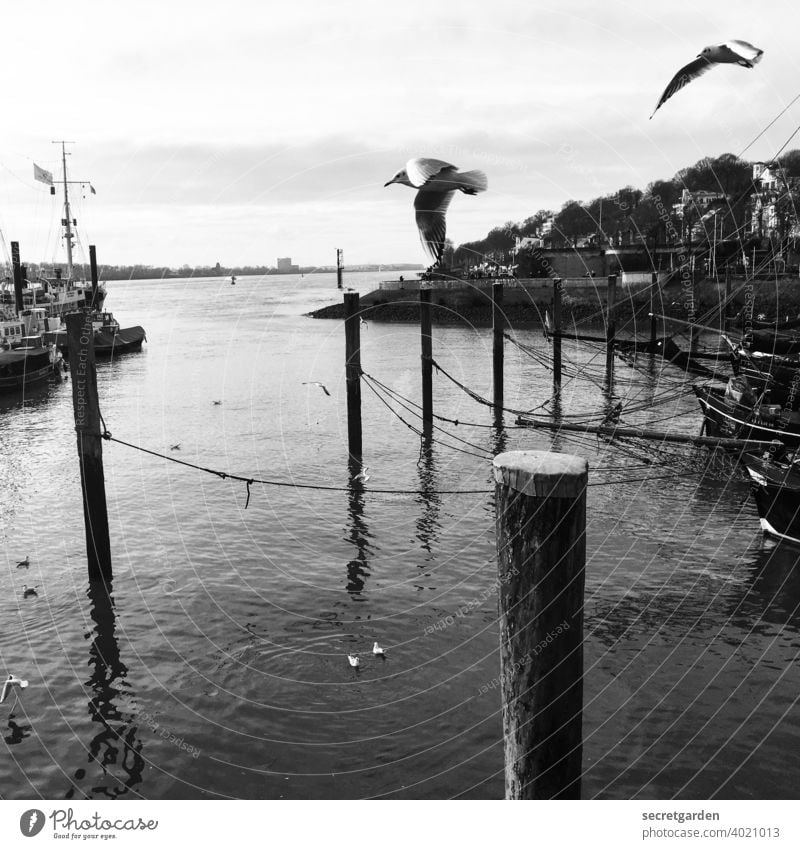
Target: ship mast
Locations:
point(68, 217)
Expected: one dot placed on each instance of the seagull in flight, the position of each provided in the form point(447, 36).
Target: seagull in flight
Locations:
point(731, 53)
point(28, 592)
point(362, 476)
point(316, 383)
point(11, 682)
point(437, 182)
point(175, 447)
point(24, 564)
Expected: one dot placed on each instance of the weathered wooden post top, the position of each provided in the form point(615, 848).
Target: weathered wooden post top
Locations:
point(541, 558)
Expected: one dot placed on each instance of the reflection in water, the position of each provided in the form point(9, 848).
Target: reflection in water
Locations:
point(430, 500)
point(116, 742)
point(357, 568)
point(773, 597)
point(18, 732)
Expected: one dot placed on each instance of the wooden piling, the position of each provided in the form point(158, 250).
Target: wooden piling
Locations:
point(557, 335)
point(653, 319)
point(727, 311)
point(93, 267)
point(541, 557)
point(17, 270)
point(498, 325)
point(426, 358)
point(80, 338)
point(352, 360)
point(339, 269)
point(611, 325)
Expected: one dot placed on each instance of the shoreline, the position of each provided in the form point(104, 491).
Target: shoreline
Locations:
point(525, 305)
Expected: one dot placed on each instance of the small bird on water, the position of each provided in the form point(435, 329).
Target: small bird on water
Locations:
point(316, 383)
point(24, 564)
point(731, 52)
point(437, 182)
point(354, 661)
point(28, 592)
point(376, 649)
point(362, 476)
point(11, 682)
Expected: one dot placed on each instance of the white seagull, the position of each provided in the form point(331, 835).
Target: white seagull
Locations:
point(362, 476)
point(376, 649)
point(316, 383)
point(354, 661)
point(11, 682)
point(437, 181)
point(23, 564)
point(731, 53)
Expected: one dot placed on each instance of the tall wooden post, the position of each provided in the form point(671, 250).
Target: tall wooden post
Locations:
point(93, 267)
point(557, 335)
point(352, 360)
point(727, 312)
point(541, 558)
point(653, 311)
point(498, 324)
point(80, 338)
point(427, 357)
point(17, 270)
point(339, 259)
point(611, 325)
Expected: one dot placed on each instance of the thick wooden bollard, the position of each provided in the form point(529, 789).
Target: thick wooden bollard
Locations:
point(339, 260)
point(93, 268)
point(352, 361)
point(653, 311)
point(541, 558)
point(556, 335)
point(17, 270)
point(611, 325)
point(86, 406)
point(426, 357)
point(498, 325)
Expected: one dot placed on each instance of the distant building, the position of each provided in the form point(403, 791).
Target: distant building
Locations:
point(701, 199)
point(285, 266)
point(772, 211)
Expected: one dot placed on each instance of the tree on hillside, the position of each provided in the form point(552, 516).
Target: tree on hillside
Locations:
point(726, 173)
point(533, 225)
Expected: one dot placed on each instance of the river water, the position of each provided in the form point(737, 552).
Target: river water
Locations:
point(220, 668)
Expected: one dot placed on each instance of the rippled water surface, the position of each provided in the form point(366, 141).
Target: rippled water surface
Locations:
point(220, 669)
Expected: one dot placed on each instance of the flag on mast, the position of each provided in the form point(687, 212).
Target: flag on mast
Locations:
point(91, 189)
point(41, 175)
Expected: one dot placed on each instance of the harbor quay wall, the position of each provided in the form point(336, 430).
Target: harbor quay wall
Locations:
point(525, 301)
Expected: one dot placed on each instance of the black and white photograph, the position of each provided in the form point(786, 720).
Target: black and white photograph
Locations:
point(400, 402)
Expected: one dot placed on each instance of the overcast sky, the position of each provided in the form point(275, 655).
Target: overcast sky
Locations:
point(246, 130)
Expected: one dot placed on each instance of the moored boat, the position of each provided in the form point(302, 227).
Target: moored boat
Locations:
point(109, 338)
point(776, 490)
point(738, 415)
point(24, 359)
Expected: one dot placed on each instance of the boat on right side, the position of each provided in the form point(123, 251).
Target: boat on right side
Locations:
point(775, 480)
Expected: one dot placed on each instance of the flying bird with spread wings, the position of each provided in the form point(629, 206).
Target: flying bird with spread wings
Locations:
point(437, 182)
point(731, 53)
